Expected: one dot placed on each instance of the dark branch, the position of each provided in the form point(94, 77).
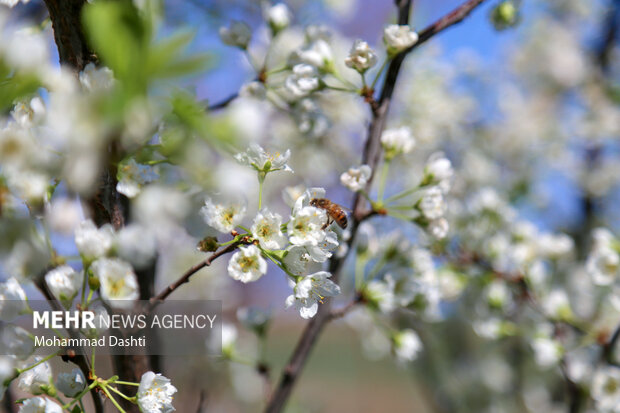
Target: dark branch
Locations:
point(191, 271)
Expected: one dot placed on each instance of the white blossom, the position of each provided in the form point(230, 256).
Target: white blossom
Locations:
point(278, 16)
point(7, 372)
point(223, 218)
point(355, 179)
point(12, 300)
point(361, 57)
point(64, 283)
point(306, 226)
point(256, 157)
point(438, 228)
point(133, 177)
point(266, 229)
point(432, 205)
point(438, 171)
point(72, 383)
point(296, 260)
point(229, 338)
point(303, 81)
point(397, 141)
point(236, 34)
point(398, 38)
point(311, 290)
point(317, 53)
point(96, 78)
point(16, 341)
point(547, 352)
point(40, 405)
point(37, 379)
point(606, 389)
point(63, 215)
point(603, 262)
point(247, 264)
point(407, 345)
point(155, 393)
point(119, 284)
point(323, 250)
point(93, 242)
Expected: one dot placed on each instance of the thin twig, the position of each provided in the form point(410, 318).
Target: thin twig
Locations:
point(188, 274)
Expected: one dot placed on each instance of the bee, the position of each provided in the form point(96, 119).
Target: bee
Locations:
point(335, 213)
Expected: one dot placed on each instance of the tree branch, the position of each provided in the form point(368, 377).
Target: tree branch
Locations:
point(371, 157)
point(191, 271)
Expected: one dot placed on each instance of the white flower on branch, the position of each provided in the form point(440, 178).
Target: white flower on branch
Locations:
point(16, 341)
point(361, 57)
point(93, 242)
point(407, 345)
point(438, 228)
point(223, 218)
point(438, 171)
point(278, 17)
point(40, 405)
point(266, 229)
point(303, 81)
point(133, 177)
point(317, 53)
point(296, 260)
point(311, 290)
point(119, 284)
point(96, 79)
point(398, 38)
point(7, 372)
point(247, 264)
point(355, 179)
point(72, 383)
point(397, 141)
point(37, 379)
point(306, 226)
point(432, 205)
point(12, 300)
point(64, 283)
point(155, 393)
point(606, 388)
point(237, 34)
point(257, 158)
point(603, 263)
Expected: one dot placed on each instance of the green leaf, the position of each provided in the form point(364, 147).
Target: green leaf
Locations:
point(120, 37)
point(15, 85)
point(76, 409)
point(193, 115)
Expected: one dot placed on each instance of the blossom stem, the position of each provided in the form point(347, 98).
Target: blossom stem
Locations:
point(84, 283)
point(43, 360)
point(261, 180)
point(115, 390)
point(378, 75)
point(83, 393)
point(402, 195)
point(383, 180)
point(112, 399)
point(360, 265)
point(125, 383)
